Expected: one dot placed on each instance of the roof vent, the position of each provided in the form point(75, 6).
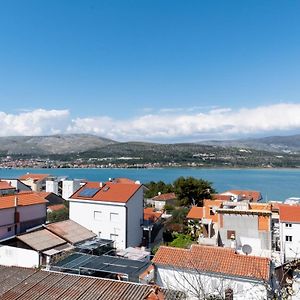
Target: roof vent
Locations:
point(101, 184)
point(105, 189)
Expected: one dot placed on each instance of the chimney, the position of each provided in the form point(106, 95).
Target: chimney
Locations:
point(159, 193)
point(101, 184)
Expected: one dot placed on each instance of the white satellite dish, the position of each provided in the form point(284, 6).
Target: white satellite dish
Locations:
point(247, 249)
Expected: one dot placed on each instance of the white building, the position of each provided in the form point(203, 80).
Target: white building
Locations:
point(69, 187)
point(241, 195)
point(113, 210)
point(289, 227)
point(37, 182)
point(204, 271)
point(21, 212)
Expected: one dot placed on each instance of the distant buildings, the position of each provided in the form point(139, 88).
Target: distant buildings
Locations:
point(37, 182)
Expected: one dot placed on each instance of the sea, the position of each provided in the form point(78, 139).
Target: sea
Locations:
point(274, 184)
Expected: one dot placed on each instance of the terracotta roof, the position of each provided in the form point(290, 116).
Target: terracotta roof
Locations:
point(215, 260)
point(165, 197)
point(4, 185)
point(24, 199)
point(71, 231)
point(289, 213)
point(151, 214)
point(23, 284)
point(246, 195)
point(56, 207)
point(124, 180)
point(221, 197)
point(34, 177)
point(195, 213)
point(110, 191)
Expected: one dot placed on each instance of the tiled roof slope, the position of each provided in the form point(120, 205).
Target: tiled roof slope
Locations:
point(215, 260)
point(34, 177)
point(24, 284)
point(110, 191)
point(289, 213)
point(165, 197)
point(195, 213)
point(247, 195)
point(24, 199)
point(4, 185)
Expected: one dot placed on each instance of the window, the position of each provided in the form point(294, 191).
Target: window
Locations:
point(114, 217)
point(97, 215)
point(230, 234)
point(8, 229)
point(229, 294)
point(113, 236)
point(211, 211)
point(288, 238)
point(288, 225)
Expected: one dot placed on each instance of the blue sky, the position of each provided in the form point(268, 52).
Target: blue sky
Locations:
point(150, 70)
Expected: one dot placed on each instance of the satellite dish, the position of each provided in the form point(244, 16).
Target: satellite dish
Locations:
point(247, 249)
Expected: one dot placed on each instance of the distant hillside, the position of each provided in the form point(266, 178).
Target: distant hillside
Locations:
point(54, 144)
point(272, 143)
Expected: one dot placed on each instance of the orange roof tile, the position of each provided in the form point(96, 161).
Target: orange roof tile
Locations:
point(247, 195)
point(214, 259)
point(4, 185)
point(151, 214)
point(165, 197)
point(56, 207)
point(34, 177)
point(195, 213)
point(289, 213)
point(221, 197)
point(23, 200)
point(110, 191)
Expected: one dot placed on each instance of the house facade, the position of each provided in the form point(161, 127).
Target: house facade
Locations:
point(205, 271)
point(37, 182)
point(21, 212)
point(289, 228)
point(112, 210)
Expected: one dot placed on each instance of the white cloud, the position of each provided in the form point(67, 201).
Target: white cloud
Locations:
point(35, 122)
point(218, 123)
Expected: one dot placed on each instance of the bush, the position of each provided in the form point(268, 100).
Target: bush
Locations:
point(181, 241)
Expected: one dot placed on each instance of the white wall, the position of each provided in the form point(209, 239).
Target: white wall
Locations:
point(199, 286)
point(103, 218)
point(7, 220)
point(32, 212)
point(290, 250)
point(12, 256)
point(52, 186)
point(69, 187)
point(135, 212)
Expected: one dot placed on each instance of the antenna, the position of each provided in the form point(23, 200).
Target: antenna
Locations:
point(247, 249)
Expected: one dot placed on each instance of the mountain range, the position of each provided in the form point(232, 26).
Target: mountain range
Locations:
point(78, 143)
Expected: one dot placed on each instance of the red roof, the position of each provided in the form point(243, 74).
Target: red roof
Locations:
point(246, 195)
point(4, 185)
point(56, 207)
point(151, 214)
point(34, 177)
point(109, 191)
point(165, 197)
point(221, 197)
point(289, 213)
point(195, 213)
point(214, 259)
point(23, 200)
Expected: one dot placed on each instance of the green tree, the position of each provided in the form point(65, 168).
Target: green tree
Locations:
point(156, 187)
point(59, 215)
point(190, 190)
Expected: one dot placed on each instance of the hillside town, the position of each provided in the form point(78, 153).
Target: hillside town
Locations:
point(63, 238)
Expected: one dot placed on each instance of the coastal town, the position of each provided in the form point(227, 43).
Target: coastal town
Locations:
point(64, 238)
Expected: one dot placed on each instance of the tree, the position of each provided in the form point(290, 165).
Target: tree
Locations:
point(59, 215)
point(157, 187)
point(192, 191)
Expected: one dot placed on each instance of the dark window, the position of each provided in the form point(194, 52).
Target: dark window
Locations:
point(288, 238)
point(229, 294)
point(288, 225)
point(8, 229)
point(211, 211)
point(230, 234)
